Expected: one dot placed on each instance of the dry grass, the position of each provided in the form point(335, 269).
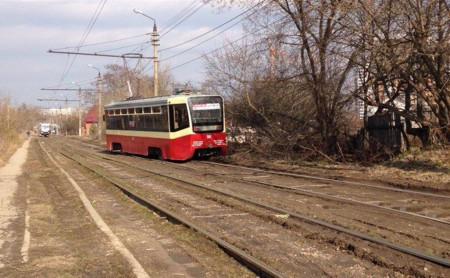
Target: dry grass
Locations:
point(7, 148)
point(422, 168)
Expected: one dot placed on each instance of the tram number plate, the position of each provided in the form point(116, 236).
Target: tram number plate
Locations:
point(197, 143)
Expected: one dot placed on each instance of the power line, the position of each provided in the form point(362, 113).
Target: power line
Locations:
point(78, 82)
point(239, 15)
point(184, 51)
point(217, 49)
point(182, 20)
point(84, 37)
point(177, 16)
point(128, 55)
point(123, 47)
point(106, 42)
point(173, 20)
point(246, 11)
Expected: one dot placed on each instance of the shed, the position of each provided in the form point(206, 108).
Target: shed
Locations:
point(90, 119)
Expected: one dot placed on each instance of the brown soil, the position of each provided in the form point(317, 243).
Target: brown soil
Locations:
point(65, 241)
point(425, 170)
point(238, 223)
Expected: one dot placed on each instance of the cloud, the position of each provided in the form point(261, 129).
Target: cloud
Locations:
point(29, 28)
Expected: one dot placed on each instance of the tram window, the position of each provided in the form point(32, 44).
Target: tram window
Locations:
point(118, 123)
point(109, 123)
point(164, 118)
point(139, 110)
point(117, 112)
point(178, 117)
point(156, 110)
point(123, 111)
point(130, 110)
point(115, 123)
point(156, 123)
point(147, 110)
point(145, 123)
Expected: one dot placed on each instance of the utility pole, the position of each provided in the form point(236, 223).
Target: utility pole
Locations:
point(79, 112)
point(155, 52)
point(155, 59)
point(100, 109)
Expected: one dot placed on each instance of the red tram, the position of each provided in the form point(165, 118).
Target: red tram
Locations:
point(176, 127)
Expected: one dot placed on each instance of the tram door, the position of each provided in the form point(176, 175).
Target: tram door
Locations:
point(179, 118)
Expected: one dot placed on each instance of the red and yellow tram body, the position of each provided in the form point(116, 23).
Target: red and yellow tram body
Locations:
point(177, 127)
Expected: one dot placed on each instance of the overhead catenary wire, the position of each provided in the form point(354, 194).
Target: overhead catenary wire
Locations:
point(85, 81)
point(183, 19)
point(209, 38)
point(212, 30)
point(189, 10)
point(217, 49)
point(105, 42)
point(179, 15)
point(89, 27)
point(204, 41)
point(167, 24)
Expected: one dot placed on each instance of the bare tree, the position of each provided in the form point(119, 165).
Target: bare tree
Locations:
point(405, 58)
point(279, 112)
point(119, 80)
point(320, 59)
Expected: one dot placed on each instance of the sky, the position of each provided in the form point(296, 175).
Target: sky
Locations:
point(29, 28)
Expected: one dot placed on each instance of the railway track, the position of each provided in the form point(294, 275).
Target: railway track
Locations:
point(100, 147)
point(291, 214)
point(397, 208)
point(333, 196)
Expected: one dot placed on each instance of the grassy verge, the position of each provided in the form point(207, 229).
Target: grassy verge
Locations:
point(9, 143)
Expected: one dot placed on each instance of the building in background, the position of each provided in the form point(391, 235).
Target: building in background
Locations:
point(90, 120)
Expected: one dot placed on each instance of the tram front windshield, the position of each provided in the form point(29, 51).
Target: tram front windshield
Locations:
point(206, 113)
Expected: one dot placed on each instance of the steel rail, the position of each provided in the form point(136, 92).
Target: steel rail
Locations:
point(255, 265)
point(330, 197)
point(403, 249)
point(342, 199)
point(326, 196)
point(330, 180)
point(322, 195)
point(326, 179)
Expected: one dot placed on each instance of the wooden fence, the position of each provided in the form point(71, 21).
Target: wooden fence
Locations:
point(385, 131)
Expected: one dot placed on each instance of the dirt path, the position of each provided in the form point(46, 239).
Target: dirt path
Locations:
point(8, 187)
point(48, 226)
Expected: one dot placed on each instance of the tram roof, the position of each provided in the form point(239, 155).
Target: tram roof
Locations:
point(163, 100)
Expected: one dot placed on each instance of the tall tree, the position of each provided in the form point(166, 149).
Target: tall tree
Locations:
point(320, 55)
point(406, 60)
point(119, 80)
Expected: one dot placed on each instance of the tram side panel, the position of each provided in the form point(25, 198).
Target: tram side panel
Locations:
point(179, 148)
point(137, 143)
